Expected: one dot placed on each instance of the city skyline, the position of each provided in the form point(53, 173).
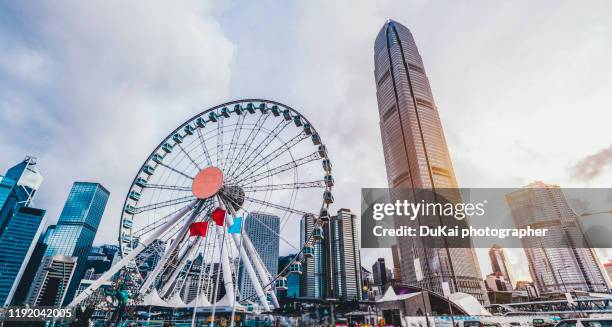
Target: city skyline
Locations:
point(115, 165)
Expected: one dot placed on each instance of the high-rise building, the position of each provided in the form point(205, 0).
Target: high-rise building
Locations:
point(313, 282)
point(397, 269)
point(148, 258)
point(76, 229)
point(500, 265)
point(30, 271)
point(346, 255)
point(263, 231)
point(562, 261)
point(416, 156)
point(20, 224)
point(608, 268)
point(17, 188)
point(293, 280)
point(17, 243)
point(52, 280)
point(379, 273)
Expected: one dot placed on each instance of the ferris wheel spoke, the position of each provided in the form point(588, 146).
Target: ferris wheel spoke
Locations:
point(258, 149)
point(276, 206)
point(164, 204)
point(274, 232)
point(172, 169)
point(154, 225)
point(285, 186)
point(204, 147)
point(250, 139)
point(279, 169)
point(235, 137)
point(169, 187)
point(220, 141)
point(258, 164)
point(189, 157)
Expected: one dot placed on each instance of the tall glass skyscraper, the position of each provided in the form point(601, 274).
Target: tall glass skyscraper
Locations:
point(346, 255)
point(562, 261)
point(416, 156)
point(20, 224)
point(314, 279)
point(263, 231)
point(76, 228)
point(500, 265)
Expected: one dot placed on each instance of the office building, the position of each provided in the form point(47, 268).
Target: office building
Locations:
point(346, 254)
point(416, 156)
point(397, 269)
point(293, 280)
point(263, 231)
point(148, 258)
point(17, 188)
point(562, 261)
point(17, 243)
point(379, 273)
point(76, 229)
point(313, 282)
point(500, 265)
point(20, 224)
point(52, 281)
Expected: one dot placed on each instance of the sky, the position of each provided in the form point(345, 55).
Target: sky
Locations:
point(522, 87)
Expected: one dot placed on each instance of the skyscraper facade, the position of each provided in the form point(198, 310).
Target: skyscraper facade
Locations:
point(17, 243)
point(293, 280)
point(314, 278)
point(76, 228)
point(562, 261)
point(500, 265)
point(397, 269)
point(20, 224)
point(416, 156)
point(379, 273)
point(263, 231)
point(346, 254)
point(52, 280)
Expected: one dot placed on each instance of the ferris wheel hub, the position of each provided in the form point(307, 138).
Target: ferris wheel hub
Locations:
point(207, 182)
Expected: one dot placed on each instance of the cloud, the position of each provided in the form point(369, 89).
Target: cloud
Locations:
point(592, 166)
point(91, 89)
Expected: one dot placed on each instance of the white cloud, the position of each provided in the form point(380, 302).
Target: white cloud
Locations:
point(119, 77)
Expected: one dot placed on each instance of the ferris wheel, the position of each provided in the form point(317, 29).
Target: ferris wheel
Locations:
point(215, 174)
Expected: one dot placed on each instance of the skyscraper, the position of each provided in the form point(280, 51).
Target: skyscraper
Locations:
point(346, 254)
point(76, 229)
point(500, 265)
point(397, 269)
point(562, 261)
point(379, 273)
point(17, 188)
point(50, 283)
point(17, 243)
point(293, 280)
point(314, 278)
point(416, 156)
point(20, 224)
point(263, 231)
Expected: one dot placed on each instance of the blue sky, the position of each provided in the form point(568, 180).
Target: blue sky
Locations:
point(90, 89)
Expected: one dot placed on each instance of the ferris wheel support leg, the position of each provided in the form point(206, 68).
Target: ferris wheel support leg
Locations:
point(178, 270)
point(228, 280)
point(162, 263)
point(246, 261)
point(130, 256)
point(261, 269)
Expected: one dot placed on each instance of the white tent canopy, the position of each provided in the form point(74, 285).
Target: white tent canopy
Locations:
point(153, 299)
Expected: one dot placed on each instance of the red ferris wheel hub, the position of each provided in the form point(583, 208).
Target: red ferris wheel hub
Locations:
point(207, 182)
